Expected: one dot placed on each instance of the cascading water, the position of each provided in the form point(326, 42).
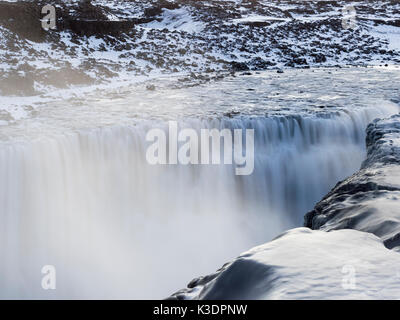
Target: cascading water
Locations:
point(115, 226)
point(87, 202)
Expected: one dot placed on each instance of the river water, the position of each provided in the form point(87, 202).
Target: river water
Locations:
point(77, 193)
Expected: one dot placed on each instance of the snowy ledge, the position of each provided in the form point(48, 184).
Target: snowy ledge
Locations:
point(339, 264)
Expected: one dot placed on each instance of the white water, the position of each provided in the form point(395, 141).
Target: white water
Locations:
point(87, 202)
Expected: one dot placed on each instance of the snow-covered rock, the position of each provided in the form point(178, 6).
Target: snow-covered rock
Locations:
point(369, 200)
point(306, 264)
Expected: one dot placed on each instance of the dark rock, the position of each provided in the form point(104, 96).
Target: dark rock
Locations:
point(239, 66)
point(319, 57)
point(23, 18)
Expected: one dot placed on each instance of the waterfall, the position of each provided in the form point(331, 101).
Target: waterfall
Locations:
point(115, 226)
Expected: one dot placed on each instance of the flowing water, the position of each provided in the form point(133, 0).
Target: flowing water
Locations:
point(76, 191)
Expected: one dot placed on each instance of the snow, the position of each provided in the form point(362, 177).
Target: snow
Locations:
point(389, 33)
point(259, 18)
point(178, 19)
